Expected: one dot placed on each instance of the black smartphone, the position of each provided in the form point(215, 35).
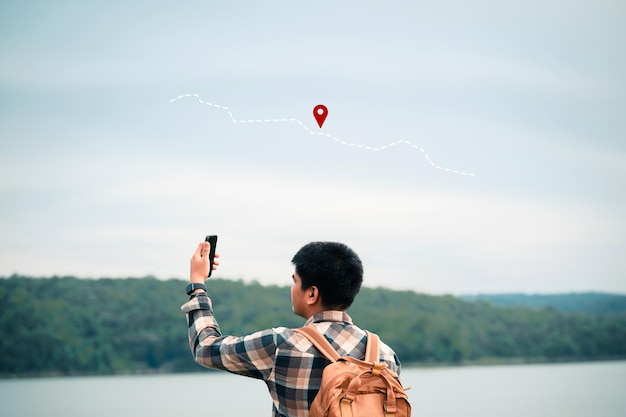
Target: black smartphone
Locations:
point(212, 239)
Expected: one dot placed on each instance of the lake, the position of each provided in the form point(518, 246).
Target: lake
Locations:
point(573, 390)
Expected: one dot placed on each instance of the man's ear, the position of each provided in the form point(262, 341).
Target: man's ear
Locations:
point(312, 295)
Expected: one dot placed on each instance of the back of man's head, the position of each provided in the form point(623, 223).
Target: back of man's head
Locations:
point(333, 268)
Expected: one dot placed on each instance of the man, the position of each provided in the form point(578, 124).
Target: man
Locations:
point(327, 277)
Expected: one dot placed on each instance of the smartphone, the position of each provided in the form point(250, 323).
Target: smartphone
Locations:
point(212, 239)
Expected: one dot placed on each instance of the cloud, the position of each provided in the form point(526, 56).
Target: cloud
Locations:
point(144, 221)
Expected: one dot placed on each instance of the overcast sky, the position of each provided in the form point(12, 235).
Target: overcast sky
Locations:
point(496, 134)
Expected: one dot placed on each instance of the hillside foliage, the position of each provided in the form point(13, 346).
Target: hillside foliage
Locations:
point(69, 326)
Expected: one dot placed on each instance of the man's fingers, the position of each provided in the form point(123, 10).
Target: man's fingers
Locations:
point(198, 251)
point(206, 247)
point(203, 248)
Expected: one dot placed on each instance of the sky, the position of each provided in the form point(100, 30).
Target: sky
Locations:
point(469, 147)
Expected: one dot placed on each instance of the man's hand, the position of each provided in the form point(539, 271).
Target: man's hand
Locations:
point(200, 263)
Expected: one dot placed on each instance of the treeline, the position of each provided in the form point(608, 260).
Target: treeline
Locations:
point(70, 326)
point(588, 302)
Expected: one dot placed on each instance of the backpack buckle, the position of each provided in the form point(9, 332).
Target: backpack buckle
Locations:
point(378, 367)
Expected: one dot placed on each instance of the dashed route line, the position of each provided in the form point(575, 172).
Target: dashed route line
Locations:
point(336, 139)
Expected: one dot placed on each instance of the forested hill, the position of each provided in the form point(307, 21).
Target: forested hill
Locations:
point(589, 302)
point(75, 326)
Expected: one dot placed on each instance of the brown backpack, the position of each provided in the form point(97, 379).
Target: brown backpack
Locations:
point(356, 388)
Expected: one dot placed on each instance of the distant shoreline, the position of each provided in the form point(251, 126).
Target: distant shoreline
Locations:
point(416, 365)
point(512, 361)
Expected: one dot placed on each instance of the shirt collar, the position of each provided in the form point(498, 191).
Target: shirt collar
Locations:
point(329, 315)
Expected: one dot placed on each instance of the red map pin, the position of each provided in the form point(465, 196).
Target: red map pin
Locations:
point(320, 112)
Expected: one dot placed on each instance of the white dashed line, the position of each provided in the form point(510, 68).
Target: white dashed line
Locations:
point(336, 139)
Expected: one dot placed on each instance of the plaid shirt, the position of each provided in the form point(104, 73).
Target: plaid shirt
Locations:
point(288, 363)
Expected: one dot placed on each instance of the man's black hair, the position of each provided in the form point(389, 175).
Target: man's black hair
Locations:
point(333, 268)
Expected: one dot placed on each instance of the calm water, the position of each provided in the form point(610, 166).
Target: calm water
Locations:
point(572, 390)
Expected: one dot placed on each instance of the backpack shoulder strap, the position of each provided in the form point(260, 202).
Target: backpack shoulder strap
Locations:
point(319, 341)
point(372, 349)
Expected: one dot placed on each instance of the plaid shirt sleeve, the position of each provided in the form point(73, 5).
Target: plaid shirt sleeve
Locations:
point(251, 355)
